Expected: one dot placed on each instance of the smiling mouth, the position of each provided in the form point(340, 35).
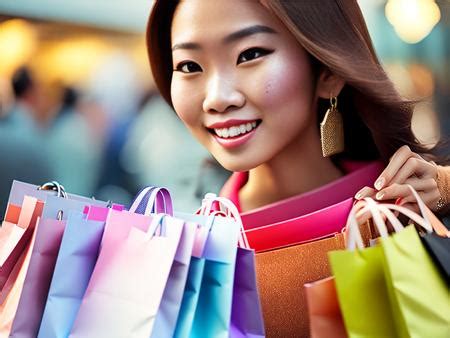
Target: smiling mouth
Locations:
point(235, 131)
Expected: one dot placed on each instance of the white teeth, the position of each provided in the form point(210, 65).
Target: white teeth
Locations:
point(235, 130)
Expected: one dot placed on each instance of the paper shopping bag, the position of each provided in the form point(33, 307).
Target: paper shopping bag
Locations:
point(8, 307)
point(325, 317)
point(128, 282)
point(16, 237)
point(74, 265)
point(405, 304)
point(166, 318)
point(42, 264)
point(213, 310)
point(246, 313)
point(191, 291)
point(419, 294)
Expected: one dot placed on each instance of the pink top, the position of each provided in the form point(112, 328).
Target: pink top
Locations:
point(296, 219)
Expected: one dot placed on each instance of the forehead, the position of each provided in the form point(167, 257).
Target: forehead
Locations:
point(196, 19)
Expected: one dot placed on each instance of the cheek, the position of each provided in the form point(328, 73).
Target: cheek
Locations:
point(283, 82)
point(183, 104)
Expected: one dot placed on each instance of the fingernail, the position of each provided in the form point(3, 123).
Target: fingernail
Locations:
point(379, 183)
point(380, 195)
point(358, 195)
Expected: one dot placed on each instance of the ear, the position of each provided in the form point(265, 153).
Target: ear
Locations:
point(328, 84)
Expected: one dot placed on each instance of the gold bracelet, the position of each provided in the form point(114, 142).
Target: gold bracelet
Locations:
point(443, 190)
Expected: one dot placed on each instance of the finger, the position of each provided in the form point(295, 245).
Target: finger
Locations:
point(395, 191)
point(396, 162)
point(422, 184)
point(365, 192)
point(429, 198)
point(413, 167)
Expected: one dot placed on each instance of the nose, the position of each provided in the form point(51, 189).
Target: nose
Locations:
point(222, 95)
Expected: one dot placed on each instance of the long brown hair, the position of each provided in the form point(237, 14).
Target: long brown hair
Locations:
point(377, 120)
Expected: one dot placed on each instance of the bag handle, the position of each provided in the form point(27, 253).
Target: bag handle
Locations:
point(227, 209)
point(159, 201)
point(379, 209)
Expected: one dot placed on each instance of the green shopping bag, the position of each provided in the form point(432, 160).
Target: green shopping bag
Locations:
point(361, 287)
point(416, 303)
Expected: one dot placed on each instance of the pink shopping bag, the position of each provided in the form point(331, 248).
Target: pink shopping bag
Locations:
point(9, 306)
point(15, 237)
point(128, 282)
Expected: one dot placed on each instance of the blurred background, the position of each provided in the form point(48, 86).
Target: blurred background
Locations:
point(78, 104)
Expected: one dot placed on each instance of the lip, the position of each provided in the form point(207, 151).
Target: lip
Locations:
point(230, 123)
point(234, 142)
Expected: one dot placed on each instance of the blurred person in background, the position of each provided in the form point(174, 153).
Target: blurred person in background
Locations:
point(22, 144)
point(27, 107)
point(73, 150)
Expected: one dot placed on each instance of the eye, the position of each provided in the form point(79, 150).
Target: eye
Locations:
point(188, 67)
point(252, 53)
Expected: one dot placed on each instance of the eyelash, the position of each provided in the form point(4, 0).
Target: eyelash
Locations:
point(260, 52)
point(255, 50)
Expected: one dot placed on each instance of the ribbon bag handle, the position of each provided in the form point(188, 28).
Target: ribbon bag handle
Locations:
point(227, 208)
point(159, 201)
point(378, 209)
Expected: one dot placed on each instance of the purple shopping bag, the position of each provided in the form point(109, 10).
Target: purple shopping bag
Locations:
point(246, 313)
point(42, 264)
point(74, 265)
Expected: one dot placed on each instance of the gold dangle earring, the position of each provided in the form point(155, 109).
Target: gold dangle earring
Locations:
point(332, 130)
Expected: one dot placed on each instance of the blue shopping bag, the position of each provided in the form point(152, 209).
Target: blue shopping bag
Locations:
point(76, 260)
point(213, 310)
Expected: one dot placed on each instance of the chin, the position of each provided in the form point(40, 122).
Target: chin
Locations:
point(238, 164)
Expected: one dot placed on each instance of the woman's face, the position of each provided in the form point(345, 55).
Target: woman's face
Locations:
point(241, 83)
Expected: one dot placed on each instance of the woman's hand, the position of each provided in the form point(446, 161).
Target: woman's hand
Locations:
point(405, 167)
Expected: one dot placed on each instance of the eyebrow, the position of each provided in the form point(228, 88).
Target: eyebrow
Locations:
point(238, 35)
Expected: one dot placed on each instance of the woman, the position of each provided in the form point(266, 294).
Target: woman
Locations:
point(265, 85)
point(276, 65)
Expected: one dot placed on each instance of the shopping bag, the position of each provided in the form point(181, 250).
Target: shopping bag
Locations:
point(21, 189)
point(438, 245)
point(403, 305)
point(127, 285)
point(16, 237)
point(154, 199)
point(421, 304)
point(191, 291)
point(42, 264)
point(9, 306)
point(278, 224)
point(74, 265)
point(325, 317)
point(246, 313)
